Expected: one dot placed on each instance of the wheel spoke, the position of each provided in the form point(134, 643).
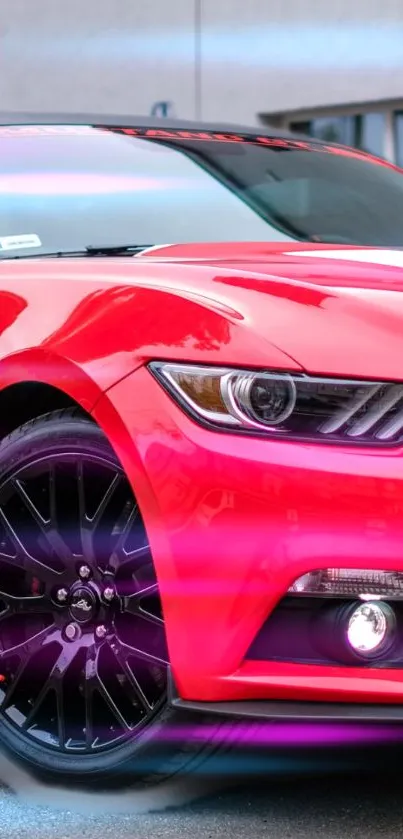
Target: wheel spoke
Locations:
point(128, 672)
point(148, 616)
point(89, 524)
point(47, 527)
point(54, 680)
point(37, 604)
point(24, 651)
point(131, 601)
point(23, 558)
point(90, 678)
point(102, 506)
point(61, 715)
point(30, 506)
point(95, 684)
point(85, 524)
point(132, 604)
point(127, 561)
point(124, 651)
point(130, 519)
point(120, 557)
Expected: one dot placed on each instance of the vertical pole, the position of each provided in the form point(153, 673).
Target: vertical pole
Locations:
point(197, 59)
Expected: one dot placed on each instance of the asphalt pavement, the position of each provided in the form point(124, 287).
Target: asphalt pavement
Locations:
point(353, 805)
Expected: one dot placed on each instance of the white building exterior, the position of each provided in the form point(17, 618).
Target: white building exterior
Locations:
point(289, 62)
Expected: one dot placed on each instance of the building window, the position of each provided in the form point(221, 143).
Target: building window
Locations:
point(362, 131)
point(373, 133)
point(330, 129)
point(398, 127)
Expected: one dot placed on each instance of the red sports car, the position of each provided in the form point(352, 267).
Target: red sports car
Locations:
point(201, 463)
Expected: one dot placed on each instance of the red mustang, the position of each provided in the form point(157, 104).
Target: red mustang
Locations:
point(201, 465)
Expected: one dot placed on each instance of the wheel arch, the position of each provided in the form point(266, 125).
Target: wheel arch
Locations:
point(28, 400)
point(36, 382)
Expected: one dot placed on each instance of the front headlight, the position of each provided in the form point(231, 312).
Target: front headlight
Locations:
point(292, 406)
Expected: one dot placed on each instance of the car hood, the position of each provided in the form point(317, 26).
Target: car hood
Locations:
point(335, 310)
point(339, 266)
point(327, 311)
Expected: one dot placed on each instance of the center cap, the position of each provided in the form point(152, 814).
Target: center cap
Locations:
point(83, 605)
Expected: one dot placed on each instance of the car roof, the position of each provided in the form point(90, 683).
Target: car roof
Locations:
point(130, 121)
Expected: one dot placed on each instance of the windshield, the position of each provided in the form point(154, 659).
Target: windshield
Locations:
point(67, 187)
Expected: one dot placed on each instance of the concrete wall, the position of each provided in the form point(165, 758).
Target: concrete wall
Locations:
point(215, 59)
point(294, 54)
point(99, 55)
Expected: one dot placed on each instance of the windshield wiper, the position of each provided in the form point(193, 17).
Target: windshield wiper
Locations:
point(89, 250)
point(116, 250)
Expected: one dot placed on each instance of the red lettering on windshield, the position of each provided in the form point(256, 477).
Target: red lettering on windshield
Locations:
point(160, 132)
point(229, 138)
point(302, 144)
point(193, 135)
point(273, 141)
point(130, 131)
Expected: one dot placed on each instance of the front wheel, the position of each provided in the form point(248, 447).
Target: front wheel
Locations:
point(83, 654)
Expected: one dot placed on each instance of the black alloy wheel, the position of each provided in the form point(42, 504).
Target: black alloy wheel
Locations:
point(83, 658)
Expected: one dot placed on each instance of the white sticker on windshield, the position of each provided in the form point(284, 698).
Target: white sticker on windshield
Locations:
point(26, 240)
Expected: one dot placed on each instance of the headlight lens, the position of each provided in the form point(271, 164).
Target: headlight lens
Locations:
point(281, 404)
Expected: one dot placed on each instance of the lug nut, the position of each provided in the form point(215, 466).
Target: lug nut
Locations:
point(100, 631)
point(84, 572)
point(71, 631)
point(62, 595)
point(109, 593)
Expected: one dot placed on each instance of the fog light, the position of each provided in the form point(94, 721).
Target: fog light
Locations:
point(370, 628)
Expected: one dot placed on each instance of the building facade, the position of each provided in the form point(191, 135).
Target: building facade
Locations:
point(331, 69)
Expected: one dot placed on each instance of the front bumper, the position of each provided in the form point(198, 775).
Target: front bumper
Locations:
point(232, 522)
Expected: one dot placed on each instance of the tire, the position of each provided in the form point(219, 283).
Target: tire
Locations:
point(77, 707)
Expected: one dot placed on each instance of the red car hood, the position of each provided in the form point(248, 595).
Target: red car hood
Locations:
point(332, 311)
point(335, 310)
point(338, 266)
